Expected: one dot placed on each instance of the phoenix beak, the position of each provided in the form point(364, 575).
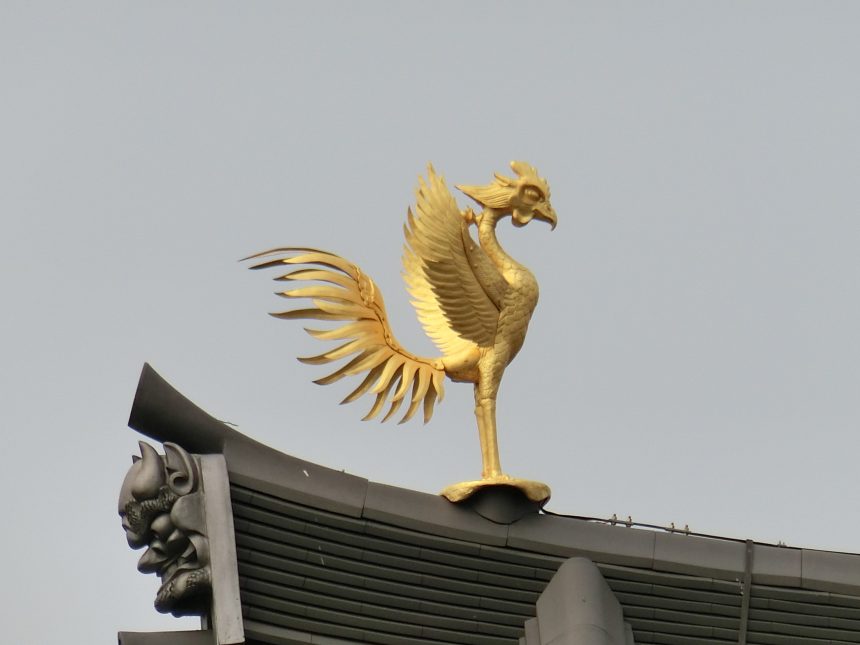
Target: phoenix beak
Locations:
point(546, 213)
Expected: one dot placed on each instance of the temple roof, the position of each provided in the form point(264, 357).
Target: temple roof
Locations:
point(322, 553)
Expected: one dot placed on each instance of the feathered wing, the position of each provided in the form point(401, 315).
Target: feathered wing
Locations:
point(452, 304)
point(339, 291)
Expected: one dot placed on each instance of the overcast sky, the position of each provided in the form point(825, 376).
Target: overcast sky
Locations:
point(695, 357)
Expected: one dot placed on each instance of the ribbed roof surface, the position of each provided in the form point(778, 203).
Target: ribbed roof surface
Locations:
point(307, 570)
point(370, 582)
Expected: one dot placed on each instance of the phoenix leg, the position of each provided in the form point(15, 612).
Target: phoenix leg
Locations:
point(485, 414)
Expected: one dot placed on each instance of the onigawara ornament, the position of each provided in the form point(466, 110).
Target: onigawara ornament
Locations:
point(473, 300)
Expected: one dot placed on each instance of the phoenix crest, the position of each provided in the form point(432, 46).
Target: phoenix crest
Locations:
point(473, 300)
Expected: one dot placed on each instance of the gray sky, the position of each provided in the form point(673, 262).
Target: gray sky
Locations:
point(694, 357)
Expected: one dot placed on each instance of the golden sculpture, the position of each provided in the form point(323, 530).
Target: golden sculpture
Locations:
point(472, 298)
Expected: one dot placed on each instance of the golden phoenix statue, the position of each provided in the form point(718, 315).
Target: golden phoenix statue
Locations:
point(473, 300)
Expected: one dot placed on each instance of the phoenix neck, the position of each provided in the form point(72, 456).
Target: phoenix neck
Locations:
point(508, 267)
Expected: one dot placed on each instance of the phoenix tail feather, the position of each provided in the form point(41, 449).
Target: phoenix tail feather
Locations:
point(339, 291)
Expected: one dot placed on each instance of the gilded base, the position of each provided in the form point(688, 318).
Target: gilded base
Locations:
point(534, 491)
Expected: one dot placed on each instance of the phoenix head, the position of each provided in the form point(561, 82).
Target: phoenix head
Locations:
point(524, 198)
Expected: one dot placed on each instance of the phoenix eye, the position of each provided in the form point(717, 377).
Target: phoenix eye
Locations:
point(532, 193)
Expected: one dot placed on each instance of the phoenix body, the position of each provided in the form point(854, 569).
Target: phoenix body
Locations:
point(472, 298)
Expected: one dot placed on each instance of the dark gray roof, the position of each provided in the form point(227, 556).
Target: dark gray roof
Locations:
point(166, 638)
point(326, 554)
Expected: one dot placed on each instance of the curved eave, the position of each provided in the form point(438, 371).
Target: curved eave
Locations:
point(162, 413)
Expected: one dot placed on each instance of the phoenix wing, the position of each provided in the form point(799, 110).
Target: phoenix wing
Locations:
point(452, 303)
